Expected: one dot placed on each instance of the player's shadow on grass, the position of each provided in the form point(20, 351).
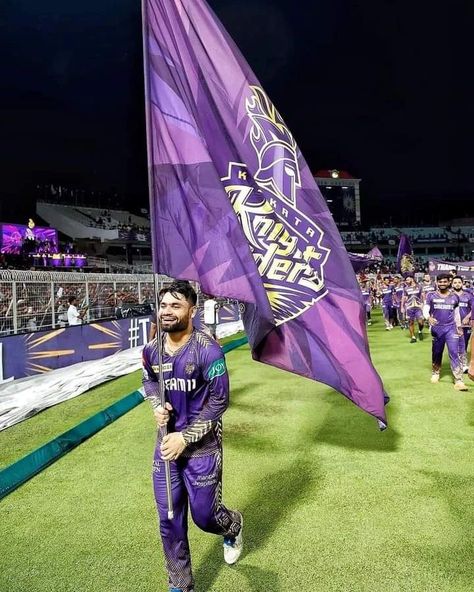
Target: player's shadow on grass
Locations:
point(349, 427)
point(275, 498)
point(456, 555)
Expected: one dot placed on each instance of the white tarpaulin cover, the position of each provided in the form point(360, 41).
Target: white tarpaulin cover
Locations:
point(20, 399)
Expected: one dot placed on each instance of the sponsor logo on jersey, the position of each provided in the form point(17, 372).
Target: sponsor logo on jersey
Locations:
point(165, 368)
point(216, 369)
point(186, 385)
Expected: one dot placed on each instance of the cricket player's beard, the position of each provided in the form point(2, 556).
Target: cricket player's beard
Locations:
point(176, 326)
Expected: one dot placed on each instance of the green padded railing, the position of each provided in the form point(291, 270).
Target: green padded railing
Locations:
point(33, 463)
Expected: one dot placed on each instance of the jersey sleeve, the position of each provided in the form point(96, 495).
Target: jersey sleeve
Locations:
point(429, 301)
point(149, 379)
point(216, 376)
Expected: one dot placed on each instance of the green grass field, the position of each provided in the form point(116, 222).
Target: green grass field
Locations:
point(330, 503)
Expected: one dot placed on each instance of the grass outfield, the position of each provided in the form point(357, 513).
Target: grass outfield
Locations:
point(330, 503)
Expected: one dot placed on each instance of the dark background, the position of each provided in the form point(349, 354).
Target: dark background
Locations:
point(379, 88)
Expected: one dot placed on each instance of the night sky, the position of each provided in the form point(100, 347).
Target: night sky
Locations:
point(382, 89)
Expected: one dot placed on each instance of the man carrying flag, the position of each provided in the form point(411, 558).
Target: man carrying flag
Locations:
point(197, 394)
point(413, 305)
point(235, 207)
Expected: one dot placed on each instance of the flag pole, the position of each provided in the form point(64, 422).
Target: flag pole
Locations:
point(159, 339)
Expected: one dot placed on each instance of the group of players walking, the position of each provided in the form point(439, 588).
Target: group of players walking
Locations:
point(196, 386)
point(445, 307)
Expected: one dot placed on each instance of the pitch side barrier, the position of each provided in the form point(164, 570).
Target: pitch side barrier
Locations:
point(33, 463)
point(42, 351)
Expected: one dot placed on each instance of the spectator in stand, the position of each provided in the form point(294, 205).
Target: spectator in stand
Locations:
point(75, 317)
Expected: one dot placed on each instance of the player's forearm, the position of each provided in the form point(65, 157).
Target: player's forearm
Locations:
point(457, 317)
point(210, 414)
point(426, 311)
point(151, 392)
point(197, 430)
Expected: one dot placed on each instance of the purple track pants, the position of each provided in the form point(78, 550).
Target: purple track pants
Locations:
point(196, 483)
point(446, 335)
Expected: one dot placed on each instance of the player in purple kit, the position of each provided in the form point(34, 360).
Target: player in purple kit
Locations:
point(412, 303)
point(441, 310)
point(197, 394)
point(367, 299)
point(399, 289)
point(466, 302)
point(427, 285)
point(386, 293)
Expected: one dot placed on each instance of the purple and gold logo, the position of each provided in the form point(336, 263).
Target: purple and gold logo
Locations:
point(285, 243)
point(407, 263)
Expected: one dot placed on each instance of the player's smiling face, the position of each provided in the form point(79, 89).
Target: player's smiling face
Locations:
point(443, 285)
point(176, 313)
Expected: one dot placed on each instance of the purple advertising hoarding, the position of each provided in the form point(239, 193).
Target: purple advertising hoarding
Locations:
point(13, 235)
point(42, 351)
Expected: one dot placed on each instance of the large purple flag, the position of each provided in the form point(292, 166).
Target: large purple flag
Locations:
point(405, 260)
point(360, 261)
point(375, 253)
point(235, 207)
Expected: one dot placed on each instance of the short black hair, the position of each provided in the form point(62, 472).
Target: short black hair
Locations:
point(182, 287)
point(443, 276)
point(71, 299)
point(458, 277)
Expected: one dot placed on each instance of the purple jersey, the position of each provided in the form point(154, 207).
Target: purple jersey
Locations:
point(427, 288)
point(442, 307)
point(397, 297)
point(366, 297)
point(197, 386)
point(413, 297)
point(387, 295)
point(466, 302)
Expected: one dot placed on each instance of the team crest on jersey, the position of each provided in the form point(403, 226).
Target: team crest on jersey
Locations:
point(285, 243)
point(189, 368)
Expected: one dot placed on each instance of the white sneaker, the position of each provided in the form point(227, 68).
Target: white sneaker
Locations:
point(233, 546)
point(460, 386)
point(434, 378)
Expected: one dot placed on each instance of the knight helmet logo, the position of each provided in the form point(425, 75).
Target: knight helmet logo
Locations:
point(286, 243)
point(407, 263)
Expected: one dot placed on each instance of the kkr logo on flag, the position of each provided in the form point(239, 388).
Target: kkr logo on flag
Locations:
point(407, 263)
point(285, 243)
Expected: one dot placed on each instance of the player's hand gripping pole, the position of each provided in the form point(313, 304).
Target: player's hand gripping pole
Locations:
point(161, 391)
